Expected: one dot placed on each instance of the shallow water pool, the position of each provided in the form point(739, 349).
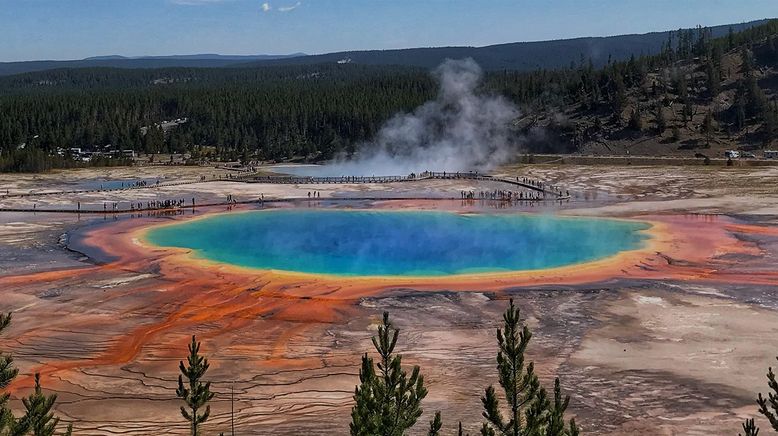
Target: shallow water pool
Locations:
point(399, 243)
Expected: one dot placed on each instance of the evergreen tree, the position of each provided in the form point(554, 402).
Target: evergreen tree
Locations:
point(387, 401)
point(531, 412)
point(7, 374)
point(198, 393)
point(770, 124)
point(618, 93)
point(708, 127)
point(740, 113)
point(713, 79)
point(749, 428)
point(636, 121)
point(661, 121)
point(39, 420)
point(768, 406)
point(687, 112)
point(154, 139)
point(676, 134)
point(755, 99)
point(435, 425)
point(682, 87)
point(556, 422)
point(520, 384)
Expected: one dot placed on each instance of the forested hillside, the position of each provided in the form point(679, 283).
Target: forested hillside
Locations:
point(699, 96)
point(697, 92)
point(272, 113)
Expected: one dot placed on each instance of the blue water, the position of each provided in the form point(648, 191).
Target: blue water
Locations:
point(369, 243)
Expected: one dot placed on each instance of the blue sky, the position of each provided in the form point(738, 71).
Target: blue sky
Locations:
point(74, 29)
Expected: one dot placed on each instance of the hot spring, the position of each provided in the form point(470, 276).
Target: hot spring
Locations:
point(399, 243)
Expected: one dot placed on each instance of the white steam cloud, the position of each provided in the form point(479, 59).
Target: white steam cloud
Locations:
point(460, 130)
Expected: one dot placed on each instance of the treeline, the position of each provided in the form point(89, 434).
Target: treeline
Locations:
point(36, 160)
point(274, 113)
point(314, 112)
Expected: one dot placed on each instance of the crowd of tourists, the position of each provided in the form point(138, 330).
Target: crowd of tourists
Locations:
point(501, 195)
point(130, 185)
point(159, 204)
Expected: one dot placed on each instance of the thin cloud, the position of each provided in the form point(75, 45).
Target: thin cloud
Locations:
point(289, 8)
point(266, 7)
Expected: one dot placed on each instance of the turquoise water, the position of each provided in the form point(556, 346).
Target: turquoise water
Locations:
point(369, 243)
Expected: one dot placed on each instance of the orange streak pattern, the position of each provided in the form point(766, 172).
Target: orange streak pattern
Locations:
point(229, 298)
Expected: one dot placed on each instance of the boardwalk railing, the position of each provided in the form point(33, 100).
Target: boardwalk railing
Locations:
point(444, 175)
point(312, 180)
point(185, 207)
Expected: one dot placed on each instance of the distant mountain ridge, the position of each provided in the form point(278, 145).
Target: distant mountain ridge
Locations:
point(201, 56)
point(141, 62)
point(522, 56)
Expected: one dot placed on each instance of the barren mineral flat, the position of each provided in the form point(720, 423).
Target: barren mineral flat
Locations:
point(665, 339)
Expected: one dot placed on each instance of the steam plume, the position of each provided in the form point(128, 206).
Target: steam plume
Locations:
point(460, 130)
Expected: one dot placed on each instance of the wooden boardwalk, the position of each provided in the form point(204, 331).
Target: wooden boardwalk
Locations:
point(315, 180)
point(545, 192)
